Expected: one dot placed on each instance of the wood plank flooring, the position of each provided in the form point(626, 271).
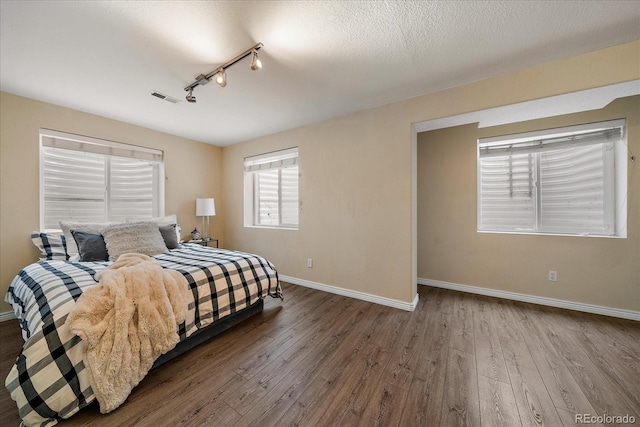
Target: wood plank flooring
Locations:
point(321, 359)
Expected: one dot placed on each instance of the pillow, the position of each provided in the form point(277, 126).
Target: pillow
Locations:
point(138, 237)
point(89, 227)
point(163, 220)
point(90, 246)
point(170, 235)
point(52, 246)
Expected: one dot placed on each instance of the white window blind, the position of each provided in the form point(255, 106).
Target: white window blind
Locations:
point(271, 189)
point(267, 193)
point(88, 179)
point(559, 181)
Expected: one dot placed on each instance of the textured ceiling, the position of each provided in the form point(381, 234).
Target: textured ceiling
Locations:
point(321, 59)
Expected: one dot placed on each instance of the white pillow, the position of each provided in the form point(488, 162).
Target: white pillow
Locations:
point(165, 220)
point(52, 246)
point(88, 227)
point(133, 237)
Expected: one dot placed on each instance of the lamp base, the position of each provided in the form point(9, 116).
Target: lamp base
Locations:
point(205, 227)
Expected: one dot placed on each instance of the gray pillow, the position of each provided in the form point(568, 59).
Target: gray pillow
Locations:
point(90, 246)
point(161, 220)
point(90, 227)
point(135, 237)
point(169, 235)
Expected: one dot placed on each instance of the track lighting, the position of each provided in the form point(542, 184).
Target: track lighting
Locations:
point(221, 78)
point(190, 96)
point(220, 73)
point(256, 64)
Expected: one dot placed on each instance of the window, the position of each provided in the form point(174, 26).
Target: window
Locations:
point(271, 189)
point(559, 181)
point(93, 180)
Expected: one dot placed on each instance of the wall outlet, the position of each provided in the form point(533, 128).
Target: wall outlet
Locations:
point(309, 263)
point(553, 276)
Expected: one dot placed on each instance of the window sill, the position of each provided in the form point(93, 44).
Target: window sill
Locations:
point(272, 227)
point(531, 233)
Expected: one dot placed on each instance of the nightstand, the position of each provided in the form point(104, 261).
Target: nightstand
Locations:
point(204, 242)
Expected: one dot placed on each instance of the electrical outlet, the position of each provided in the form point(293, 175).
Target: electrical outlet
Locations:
point(309, 263)
point(553, 276)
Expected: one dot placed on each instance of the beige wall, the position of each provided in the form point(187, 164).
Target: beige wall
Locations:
point(356, 176)
point(352, 184)
point(192, 170)
point(601, 271)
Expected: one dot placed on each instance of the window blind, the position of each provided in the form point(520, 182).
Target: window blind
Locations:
point(574, 185)
point(274, 200)
point(86, 144)
point(93, 186)
point(275, 160)
point(289, 195)
point(133, 189)
point(506, 188)
point(547, 144)
point(268, 200)
point(560, 183)
point(74, 186)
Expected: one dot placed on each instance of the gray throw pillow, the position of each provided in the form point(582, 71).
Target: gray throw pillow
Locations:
point(91, 227)
point(91, 247)
point(136, 237)
point(170, 236)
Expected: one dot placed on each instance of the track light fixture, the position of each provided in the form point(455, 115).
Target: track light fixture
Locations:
point(190, 96)
point(256, 64)
point(220, 72)
point(221, 78)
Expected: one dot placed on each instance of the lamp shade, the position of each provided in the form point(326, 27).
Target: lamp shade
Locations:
point(205, 207)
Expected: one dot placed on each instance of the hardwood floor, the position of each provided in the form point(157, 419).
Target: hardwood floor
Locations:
point(323, 359)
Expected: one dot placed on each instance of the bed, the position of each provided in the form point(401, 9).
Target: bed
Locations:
point(49, 381)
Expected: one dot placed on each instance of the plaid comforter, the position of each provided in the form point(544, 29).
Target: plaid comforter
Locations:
point(49, 381)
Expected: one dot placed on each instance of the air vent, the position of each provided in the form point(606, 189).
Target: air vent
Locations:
point(165, 97)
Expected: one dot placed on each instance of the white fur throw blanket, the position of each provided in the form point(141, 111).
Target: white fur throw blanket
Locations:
point(126, 323)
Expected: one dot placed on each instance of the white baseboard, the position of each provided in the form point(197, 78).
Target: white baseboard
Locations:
point(6, 315)
point(552, 302)
point(353, 294)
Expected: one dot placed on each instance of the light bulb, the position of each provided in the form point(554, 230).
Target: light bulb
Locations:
point(221, 78)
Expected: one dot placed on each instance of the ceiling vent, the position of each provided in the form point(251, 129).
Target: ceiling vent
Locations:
point(165, 97)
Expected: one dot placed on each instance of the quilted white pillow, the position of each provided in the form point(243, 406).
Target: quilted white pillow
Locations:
point(138, 237)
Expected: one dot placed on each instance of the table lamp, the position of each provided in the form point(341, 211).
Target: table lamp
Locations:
point(205, 208)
